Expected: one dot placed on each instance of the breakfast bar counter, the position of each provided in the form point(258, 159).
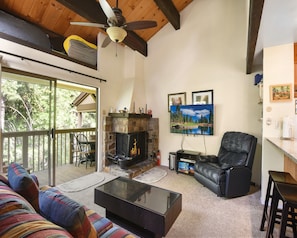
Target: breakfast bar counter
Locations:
point(289, 148)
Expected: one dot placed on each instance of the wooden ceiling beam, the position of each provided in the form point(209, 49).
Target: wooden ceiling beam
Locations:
point(92, 11)
point(135, 42)
point(256, 9)
point(170, 11)
point(88, 9)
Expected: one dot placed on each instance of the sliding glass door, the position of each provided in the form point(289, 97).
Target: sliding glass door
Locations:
point(28, 122)
point(40, 119)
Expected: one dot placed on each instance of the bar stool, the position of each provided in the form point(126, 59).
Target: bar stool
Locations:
point(287, 193)
point(279, 177)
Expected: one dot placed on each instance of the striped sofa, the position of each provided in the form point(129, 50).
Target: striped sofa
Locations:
point(28, 211)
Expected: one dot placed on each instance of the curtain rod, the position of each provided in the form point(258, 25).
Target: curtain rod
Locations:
point(58, 67)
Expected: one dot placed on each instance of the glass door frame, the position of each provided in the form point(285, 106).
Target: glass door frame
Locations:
point(51, 83)
point(52, 137)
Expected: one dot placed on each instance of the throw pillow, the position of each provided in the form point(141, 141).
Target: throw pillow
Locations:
point(21, 182)
point(66, 213)
point(35, 179)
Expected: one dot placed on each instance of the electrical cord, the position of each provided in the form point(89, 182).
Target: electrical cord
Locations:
point(182, 142)
point(183, 139)
point(205, 150)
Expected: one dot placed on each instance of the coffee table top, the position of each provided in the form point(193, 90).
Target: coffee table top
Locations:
point(147, 196)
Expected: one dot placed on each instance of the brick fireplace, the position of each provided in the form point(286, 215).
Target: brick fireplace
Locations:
point(130, 124)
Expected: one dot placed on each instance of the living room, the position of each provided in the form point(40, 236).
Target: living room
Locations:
point(195, 58)
point(202, 63)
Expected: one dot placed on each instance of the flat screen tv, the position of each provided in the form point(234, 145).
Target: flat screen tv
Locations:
point(192, 119)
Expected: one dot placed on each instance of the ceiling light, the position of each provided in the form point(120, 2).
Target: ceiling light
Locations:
point(116, 34)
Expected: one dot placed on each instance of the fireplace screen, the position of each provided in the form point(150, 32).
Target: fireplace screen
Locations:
point(133, 145)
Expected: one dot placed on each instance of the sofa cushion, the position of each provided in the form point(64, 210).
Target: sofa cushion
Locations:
point(101, 224)
point(35, 179)
point(65, 212)
point(10, 200)
point(117, 232)
point(233, 159)
point(16, 223)
point(212, 171)
point(21, 182)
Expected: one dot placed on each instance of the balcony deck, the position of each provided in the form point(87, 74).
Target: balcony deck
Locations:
point(65, 173)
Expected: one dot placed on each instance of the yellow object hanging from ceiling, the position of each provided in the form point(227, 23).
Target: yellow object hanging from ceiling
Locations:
point(80, 49)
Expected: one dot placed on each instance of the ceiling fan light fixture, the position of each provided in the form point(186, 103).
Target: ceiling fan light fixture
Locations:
point(116, 34)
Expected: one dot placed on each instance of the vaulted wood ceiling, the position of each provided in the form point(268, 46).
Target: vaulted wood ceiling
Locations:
point(56, 15)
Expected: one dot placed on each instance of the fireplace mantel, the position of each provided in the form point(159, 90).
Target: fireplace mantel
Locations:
point(129, 115)
point(129, 122)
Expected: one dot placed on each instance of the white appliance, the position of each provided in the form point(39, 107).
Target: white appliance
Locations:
point(172, 160)
point(287, 128)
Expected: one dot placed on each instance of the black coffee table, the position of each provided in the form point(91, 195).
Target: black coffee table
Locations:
point(146, 210)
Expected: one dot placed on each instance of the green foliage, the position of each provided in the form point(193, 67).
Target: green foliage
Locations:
point(27, 106)
point(66, 114)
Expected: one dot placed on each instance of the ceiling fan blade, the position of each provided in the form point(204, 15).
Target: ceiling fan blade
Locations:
point(138, 25)
point(108, 11)
point(88, 24)
point(106, 42)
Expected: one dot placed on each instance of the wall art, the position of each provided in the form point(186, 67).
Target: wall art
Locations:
point(176, 99)
point(202, 97)
point(280, 93)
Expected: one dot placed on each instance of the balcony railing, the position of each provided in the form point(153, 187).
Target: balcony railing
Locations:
point(32, 149)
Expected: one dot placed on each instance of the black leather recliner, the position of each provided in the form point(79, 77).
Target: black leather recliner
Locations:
point(228, 174)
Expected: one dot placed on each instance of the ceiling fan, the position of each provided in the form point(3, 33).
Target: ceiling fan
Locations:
point(116, 26)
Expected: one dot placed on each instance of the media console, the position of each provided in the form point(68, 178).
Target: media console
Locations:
point(185, 160)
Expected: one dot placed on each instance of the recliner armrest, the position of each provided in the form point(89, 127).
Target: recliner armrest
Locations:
point(225, 166)
point(238, 179)
point(208, 158)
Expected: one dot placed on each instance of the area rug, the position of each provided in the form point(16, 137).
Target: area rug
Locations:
point(151, 176)
point(81, 183)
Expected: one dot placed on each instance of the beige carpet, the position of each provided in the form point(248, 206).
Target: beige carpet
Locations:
point(86, 196)
point(153, 175)
point(203, 213)
point(206, 215)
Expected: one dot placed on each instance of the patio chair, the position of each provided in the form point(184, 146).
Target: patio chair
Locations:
point(85, 151)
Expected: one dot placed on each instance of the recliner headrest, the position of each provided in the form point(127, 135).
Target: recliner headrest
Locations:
point(237, 142)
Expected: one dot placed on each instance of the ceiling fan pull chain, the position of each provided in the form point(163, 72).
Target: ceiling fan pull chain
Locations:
point(116, 49)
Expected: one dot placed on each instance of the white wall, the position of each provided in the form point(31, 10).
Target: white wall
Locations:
point(278, 68)
point(203, 56)
point(123, 68)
